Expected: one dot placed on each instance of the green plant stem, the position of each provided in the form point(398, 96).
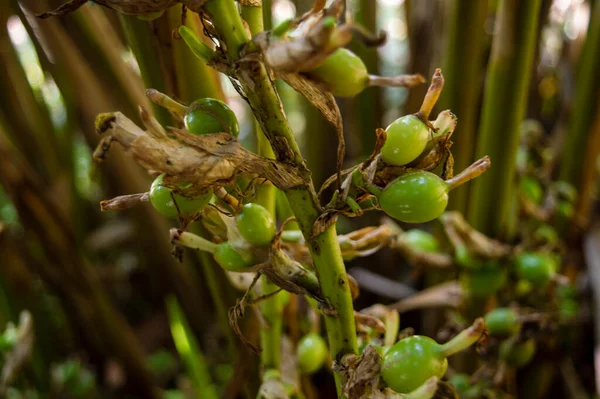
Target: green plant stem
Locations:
point(271, 308)
point(324, 248)
point(139, 38)
point(366, 106)
point(463, 69)
point(504, 105)
point(189, 350)
point(586, 89)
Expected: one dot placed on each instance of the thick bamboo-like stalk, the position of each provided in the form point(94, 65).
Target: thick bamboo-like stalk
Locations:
point(504, 105)
point(27, 120)
point(589, 173)
point(584, 105)
point(141, 41)
point(366, 106)
point(324, 247)
point(463, 70)
point(271, 308)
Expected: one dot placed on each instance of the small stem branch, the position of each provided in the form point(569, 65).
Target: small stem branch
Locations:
point(433, 93)
point(166, 102)
point(464, 339)
point(473, 171)
point(191, 240)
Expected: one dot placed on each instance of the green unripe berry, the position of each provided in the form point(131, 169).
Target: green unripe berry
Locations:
point(411, 362)
point(406, 139)
point(311, 353)
point(462, 382)
point(517, 354)
point(536, 268)
point(531, 189)
point(344, 73)
point(565, 209)
point(567, 310)
point(486, 281)
point(209, 115)
point(162, 201)
point(416, 197)
point(421, 240)
point(230, 259)
point(464, 258)
point(502, 321)
point(256, 224)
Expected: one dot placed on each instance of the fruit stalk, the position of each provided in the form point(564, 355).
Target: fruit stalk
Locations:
point(324, 247)
point(464, 339)
point(507, 83)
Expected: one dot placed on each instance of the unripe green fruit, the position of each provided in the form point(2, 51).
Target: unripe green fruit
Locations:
point(416, 197)
point(567, 310)
point(536, 268)
point(256, 224)
point(464, 258)
point(462, 382)
point(486, 281)
point(531, 189)
point(517, 354)
point(421, 240)
point(230, 259)
point(162, 201)
point(344, 73)
point(209, 115)
point(502, 321)
point(406, 139)
point(411, 362)
point(311, 353)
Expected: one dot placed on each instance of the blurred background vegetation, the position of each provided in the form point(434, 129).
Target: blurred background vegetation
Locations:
point(116, 315)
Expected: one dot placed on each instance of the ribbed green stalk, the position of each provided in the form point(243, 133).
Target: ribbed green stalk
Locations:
point(366, 106)
point(324, 248)
point(507, 83)
point(271, 308)
point(584, 108)
point(139, 38)
point(27, 119)
point(463, 69)
point(190, 352)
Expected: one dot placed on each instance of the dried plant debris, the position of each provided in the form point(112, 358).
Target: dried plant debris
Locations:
point(211, 160)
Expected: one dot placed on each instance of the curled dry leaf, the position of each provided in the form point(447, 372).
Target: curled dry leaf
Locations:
point(448, 294)
point(360, 374)
point(210, 160)
point(312, 42)
point(369, 321)
point(324, 101)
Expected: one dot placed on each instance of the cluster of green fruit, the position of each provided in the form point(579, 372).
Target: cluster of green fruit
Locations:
point(417, 196)
point(204, 116)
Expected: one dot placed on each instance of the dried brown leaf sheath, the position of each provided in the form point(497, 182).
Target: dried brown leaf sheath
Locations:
point(205, 161)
